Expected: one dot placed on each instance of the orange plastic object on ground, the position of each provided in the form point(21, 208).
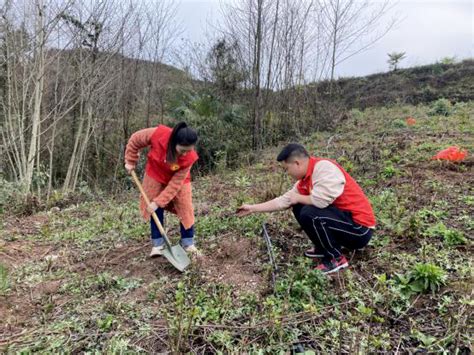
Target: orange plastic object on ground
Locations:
point(452, 154)
point(410, 121)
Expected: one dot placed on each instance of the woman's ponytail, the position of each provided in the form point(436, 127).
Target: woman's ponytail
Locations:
point(182, 135)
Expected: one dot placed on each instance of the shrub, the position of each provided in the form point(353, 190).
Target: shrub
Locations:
point(422, 278)
point(222, 127)
point(450, 236)
point(441, 107)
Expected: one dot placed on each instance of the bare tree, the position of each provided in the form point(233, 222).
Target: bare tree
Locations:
point(70, 74)
point(25, 33)
point(252, 25)
point(352, 26)
point(99, 30)
point(164, 30)
point(274, 39)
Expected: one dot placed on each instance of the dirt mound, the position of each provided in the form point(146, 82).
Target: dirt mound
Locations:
point(128, 260)
point(233, 262)
point(236, 263)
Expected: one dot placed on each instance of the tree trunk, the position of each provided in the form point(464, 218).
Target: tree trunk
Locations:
point(38, 97)
point(257, 121)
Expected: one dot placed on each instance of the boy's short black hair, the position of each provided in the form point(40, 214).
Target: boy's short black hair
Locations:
point(292, 150)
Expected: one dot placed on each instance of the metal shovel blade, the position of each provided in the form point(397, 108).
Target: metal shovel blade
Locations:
point(177, 256)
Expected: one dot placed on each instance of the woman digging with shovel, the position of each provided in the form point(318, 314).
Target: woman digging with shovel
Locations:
point(167, 181)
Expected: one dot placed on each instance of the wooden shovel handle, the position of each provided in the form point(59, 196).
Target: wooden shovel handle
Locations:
point(147, 201)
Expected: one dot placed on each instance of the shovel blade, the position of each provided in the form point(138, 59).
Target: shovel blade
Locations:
point(177, 257)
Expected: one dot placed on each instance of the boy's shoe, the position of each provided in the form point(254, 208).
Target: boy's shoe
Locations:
point(157, 251)
point(313, 253)
point(191, 249)
point(334, 265)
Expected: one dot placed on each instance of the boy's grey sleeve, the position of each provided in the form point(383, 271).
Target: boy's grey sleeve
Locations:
point(328, 183)
point(283, 202)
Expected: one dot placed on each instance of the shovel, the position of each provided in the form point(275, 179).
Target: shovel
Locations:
point(175, 254)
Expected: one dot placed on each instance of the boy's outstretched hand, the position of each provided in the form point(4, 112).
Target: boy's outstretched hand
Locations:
point(244, 210)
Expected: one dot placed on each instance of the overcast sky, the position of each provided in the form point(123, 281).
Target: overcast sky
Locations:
point(428, 31)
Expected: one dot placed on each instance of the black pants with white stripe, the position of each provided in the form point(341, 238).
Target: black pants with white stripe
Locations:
point(330, 228)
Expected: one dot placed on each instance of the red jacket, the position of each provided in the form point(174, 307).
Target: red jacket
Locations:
point(157, 167)
point(352, 198)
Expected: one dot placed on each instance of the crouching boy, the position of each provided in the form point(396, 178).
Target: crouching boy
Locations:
point(327, 202)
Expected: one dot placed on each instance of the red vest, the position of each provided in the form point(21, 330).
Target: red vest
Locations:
point(352, 198)
point(157, 167)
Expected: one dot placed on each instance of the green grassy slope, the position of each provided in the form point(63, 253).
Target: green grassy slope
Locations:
point(79, 279)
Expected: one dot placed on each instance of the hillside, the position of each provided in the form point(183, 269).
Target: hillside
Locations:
point(79, 279)
point(414, 85)
point(168, 75)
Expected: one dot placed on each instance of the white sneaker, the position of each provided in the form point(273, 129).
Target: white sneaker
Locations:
point(191, 249)
point(157, 251)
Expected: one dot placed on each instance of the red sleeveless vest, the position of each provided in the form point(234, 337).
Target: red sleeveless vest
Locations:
point(157, 167)
point(352, 198)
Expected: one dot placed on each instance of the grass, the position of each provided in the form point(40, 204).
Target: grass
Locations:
point(79, 280)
